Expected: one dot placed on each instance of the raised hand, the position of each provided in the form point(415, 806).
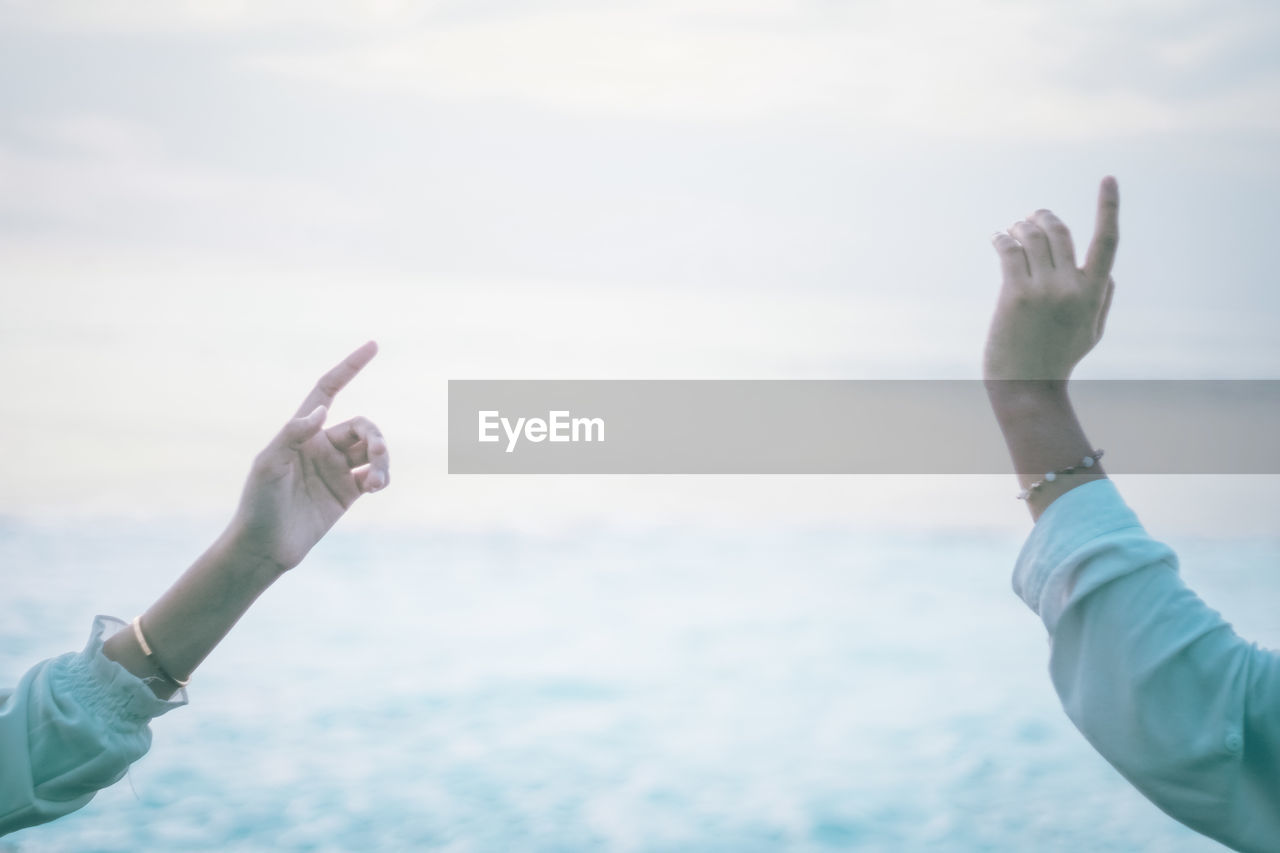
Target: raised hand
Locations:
point(307, 477)
point(1050, 312)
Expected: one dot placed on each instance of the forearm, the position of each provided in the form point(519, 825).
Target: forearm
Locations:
point(194, 615)
point(1043, 434)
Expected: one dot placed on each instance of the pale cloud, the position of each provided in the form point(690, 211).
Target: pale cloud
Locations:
point(186, 16)
point(976, 70)
point(96, 135)
point(96, 171)
point(983, 69)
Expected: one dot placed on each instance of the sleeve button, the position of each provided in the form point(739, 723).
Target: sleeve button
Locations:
point(1234, 741)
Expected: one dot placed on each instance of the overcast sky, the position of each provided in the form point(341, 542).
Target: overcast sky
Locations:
point(204, 204)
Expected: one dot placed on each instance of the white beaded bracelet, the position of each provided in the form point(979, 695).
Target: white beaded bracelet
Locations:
point(1086, 462)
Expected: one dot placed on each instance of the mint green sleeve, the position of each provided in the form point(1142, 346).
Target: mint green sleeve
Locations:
point(72, 726)
point(1157, 681)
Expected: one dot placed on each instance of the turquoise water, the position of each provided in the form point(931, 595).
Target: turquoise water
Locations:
point(670, 690)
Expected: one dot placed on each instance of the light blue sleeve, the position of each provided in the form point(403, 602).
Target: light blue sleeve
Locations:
point(1157, 681)
point(72, 726)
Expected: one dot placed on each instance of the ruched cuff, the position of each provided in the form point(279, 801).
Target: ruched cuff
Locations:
point(106, 689)
point(72, 726)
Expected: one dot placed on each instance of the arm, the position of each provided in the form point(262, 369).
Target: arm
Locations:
point(1155, 680)
point(75, 723)
point(1048, 316)
point(298, 487)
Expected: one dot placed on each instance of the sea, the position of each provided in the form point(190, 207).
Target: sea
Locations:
point(666, 689)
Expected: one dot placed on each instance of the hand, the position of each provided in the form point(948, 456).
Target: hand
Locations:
point(1050, 312)
point(307, 477)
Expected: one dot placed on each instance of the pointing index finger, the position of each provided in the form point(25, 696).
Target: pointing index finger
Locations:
point(1106, 235)
point(336, 379)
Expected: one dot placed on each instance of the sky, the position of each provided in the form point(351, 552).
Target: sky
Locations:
point(203, 205)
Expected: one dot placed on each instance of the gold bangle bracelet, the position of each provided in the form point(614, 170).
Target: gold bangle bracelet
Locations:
point(146, 650)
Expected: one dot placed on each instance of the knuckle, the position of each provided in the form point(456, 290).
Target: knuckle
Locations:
point(1019, 297)
point(260, 463)
point(1067, 302)
point(328, 383)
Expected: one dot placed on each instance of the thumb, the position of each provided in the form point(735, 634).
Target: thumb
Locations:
point(1105, 309)
point(299, 431)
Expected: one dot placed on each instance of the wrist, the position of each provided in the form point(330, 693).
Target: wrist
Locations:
point(236, 552)
point(1024, 396)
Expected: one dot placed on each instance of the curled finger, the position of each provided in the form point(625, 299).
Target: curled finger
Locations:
point(1059, 237)
point(1036, 244)
point(1013, 259)
point(359, 439)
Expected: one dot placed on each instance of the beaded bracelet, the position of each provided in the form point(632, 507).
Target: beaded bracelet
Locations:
point(146, 650)
point(1086, 462)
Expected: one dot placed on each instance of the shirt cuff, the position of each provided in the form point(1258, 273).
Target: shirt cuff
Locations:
point(1084, 539)
point(108, 690)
